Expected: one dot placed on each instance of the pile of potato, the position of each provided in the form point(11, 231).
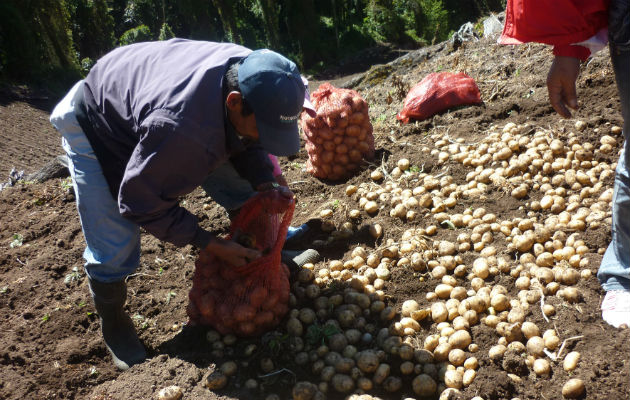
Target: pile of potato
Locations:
point(342, 329)
point(340, 137)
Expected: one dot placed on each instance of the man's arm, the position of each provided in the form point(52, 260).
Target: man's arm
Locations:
point(165, 166)
point(561, 80)
point(227, 250)
point(256, 166)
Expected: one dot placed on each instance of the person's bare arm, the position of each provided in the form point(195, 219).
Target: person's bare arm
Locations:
point(561, 80)
point(232, 252)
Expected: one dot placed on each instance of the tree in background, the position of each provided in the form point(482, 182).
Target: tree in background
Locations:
point(40, 36)
point(35, 38)
point(166, 32)
point(228, 19)
point(430, 20)
point(92, 28)
point(140, 33)
point(270, 11)
point(382, 21)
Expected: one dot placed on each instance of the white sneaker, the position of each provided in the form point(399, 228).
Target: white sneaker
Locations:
point(616, 308)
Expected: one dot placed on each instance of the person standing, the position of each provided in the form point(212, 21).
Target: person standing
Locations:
point(150, 123)
point(576, 29)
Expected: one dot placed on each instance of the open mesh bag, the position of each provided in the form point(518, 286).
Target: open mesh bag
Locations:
point(250, 299)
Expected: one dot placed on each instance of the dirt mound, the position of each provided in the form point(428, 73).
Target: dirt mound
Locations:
point(51, 346)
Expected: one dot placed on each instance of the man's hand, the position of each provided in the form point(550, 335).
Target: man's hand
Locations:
point(232, 252)
point(561, 84)
point(281, 180)
point(283, 190)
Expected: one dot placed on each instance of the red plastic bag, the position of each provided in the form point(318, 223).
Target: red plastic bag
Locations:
point(253, 298)
point(340, 136)
point(437, 92)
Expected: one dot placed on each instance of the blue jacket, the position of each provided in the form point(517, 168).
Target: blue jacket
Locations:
point(158, 126)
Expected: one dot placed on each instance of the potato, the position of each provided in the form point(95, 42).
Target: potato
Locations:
point(424, 386)
point(337, 342)
point(344, 365)
point(441, 351)
point(371, 207)
point(571, 361)
point(251, 384)
point(381, 373)
point(530, 329)
point(228, 368)
point(408, 307)
point(304, 391)
point(460, 339)
point(457, 357)
point(409, 326)
point(342, 383)
point(216, 380)
point(496, 352)
point(244, 312)
point(368, 361)
point(551, 341)
point(392, 384)
point(573, 389)
point(170, 393)
point(439, 313)
point(406, 368)
point(541, 367)
point(469, 376)
point(471, 363)
point(450, 393)
point(535, 346)
point(294, 327)
point(453, 379)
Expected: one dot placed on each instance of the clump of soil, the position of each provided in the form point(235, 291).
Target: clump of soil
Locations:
point(51, 345)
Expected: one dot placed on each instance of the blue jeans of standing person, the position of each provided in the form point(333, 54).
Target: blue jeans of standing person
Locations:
point(112, 242)
point(614, 272)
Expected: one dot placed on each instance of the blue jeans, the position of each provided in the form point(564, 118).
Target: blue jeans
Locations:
point(614, 272)
point(112, 242)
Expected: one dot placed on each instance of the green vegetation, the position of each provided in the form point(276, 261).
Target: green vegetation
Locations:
point(169, 296)
point(66, 184)
point(16, 240)
point(316, 334)
point(73, 276)
point(59, 41)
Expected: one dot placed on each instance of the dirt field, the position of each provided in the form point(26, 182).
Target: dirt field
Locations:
point(50, 347)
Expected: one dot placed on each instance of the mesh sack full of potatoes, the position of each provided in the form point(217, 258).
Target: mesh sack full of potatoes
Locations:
point(340, 136)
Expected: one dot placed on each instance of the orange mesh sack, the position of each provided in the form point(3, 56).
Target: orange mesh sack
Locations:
point(250, 299)
point(437, 92)
point(340, 137)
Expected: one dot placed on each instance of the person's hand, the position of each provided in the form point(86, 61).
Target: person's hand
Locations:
point(232, 252)
point(283, 190)
point(281, 180)
point(561, 84)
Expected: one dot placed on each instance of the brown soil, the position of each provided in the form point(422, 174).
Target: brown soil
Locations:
point(51, 348)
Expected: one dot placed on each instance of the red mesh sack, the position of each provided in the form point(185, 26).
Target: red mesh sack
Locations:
point(437, 92)
point(340, 136)
point(250, 299)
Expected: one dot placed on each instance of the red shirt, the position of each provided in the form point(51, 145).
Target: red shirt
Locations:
point(560, 23)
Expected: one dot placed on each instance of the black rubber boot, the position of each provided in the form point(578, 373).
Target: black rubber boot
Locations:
point(117, 328)
point(295, 259)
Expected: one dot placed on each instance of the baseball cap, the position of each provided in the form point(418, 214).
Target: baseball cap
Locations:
point(273, 87)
